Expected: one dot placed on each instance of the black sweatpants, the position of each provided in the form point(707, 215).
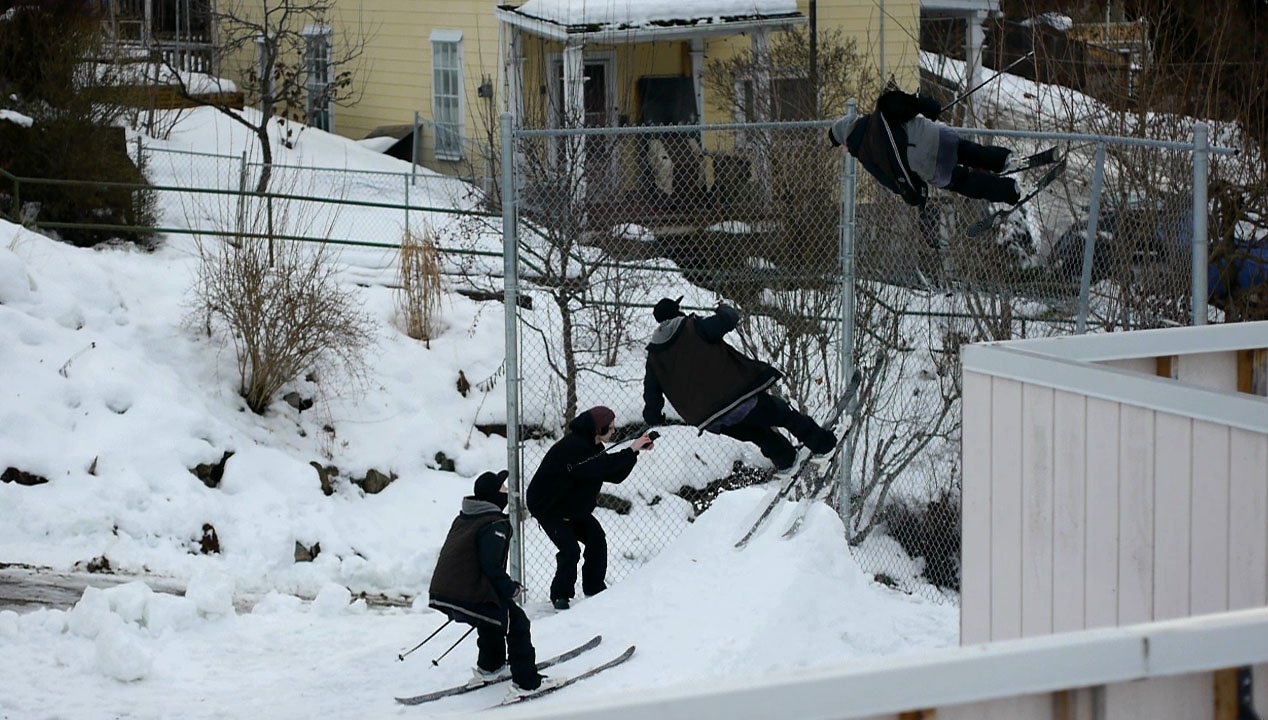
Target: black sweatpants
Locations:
point(758, 427)
point(975, 174)
point(514, 645)
point(568, 536)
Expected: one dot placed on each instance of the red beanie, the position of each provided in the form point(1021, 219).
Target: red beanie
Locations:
point(602, 417)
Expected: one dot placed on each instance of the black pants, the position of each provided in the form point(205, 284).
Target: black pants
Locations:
point(568, 536)
point(758, 427)
point(514, 645)
point(976, 173)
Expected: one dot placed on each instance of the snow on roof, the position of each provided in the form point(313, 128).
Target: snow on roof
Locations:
point(650, 13)
point(1056, 21)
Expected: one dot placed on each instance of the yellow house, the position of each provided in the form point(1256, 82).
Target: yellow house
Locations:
point(458, 64)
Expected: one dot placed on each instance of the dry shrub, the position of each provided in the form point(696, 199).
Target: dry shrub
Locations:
point(279, 302)
point(419, 291)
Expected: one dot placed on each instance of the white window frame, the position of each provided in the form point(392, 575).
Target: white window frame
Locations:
point(605, 58)
point(742, 80)
point(311, 33)
point(741, 111)
point(458, 125)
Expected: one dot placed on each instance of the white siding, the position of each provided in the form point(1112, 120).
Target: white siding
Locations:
point(1037, 510)
point(1173, 487)
point(1209, 534)
point(1101, 602)
point(1248, 520)
point(1069, 512)
point(975, 511)
point(1083, 511)
point(1006, 509)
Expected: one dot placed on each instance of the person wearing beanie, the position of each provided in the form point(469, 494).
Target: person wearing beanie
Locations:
point(470, 586)
point(721, 390)
point(906, 149)
point(564, 493)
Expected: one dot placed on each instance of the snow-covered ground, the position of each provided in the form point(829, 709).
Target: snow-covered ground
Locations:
point(113, 396)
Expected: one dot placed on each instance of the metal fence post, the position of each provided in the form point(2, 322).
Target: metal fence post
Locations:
point(242, 193)
point(1089, 242)
point(510, 289)
point(849, 207)
point(1201, 166)
point(406, 178)
point(413, 149)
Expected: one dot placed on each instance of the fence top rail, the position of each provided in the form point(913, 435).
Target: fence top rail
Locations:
point(824, 124)
point(353, 171)
point(199, 153)
point(246, 193)
point(1088, 138)
point(678, 129)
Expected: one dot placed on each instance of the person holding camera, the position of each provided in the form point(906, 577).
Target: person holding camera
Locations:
point(564, 493)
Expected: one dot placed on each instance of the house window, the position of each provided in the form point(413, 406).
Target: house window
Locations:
point(319, 81)
point(792, 98)
point(447, 92)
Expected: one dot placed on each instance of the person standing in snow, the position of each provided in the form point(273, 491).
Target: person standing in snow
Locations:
point(470, 585)
point(719, 389)
point(564, 493)
point(906, 149)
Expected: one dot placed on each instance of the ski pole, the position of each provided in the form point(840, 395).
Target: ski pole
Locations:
point(1010, 66)
point(402, 656)
point(436, 662)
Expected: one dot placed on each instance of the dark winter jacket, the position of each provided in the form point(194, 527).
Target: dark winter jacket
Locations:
point(470, 583)
point(567, 483)
point(881, 143)
point(690, 363)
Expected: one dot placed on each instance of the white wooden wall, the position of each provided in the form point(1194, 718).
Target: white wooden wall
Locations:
point(1082, 512)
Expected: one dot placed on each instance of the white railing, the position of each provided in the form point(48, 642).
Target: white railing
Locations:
point(983, 681)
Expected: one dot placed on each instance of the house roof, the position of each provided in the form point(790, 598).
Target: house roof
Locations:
point(959, 6)
point(641, 20)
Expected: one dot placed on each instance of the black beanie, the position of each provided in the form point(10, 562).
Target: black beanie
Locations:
point(488, 487)
point(666, 309)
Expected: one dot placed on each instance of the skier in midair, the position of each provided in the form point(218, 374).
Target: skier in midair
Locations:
point(906, 149)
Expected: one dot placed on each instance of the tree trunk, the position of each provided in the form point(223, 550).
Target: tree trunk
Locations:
point(570, 360)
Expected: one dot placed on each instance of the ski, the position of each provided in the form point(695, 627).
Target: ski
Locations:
point(993, 217)
point(824, 482)
point(1039, 159)
point(847, 400)
point(474, 685)
point(515, 699)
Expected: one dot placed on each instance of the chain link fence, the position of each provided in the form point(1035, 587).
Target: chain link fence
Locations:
point(771, 219)
point(830, 271)
point(366, 213)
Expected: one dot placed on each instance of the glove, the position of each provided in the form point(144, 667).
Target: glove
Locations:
point(518, 595)
point(928, 107)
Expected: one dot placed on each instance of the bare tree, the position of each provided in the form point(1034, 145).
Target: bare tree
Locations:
point(301, 68)
point(910, 389)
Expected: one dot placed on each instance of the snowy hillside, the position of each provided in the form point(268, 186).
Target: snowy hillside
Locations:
point(115, 398)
